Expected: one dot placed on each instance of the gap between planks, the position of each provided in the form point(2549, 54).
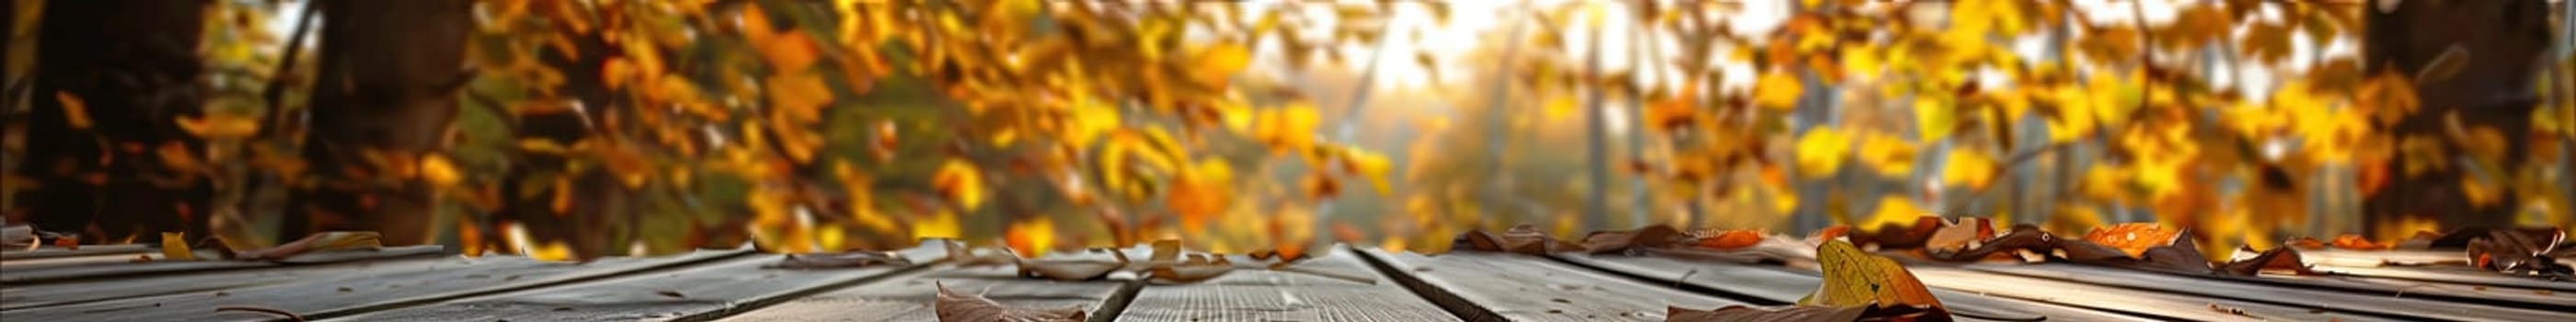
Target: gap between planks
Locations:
point(1457, 306)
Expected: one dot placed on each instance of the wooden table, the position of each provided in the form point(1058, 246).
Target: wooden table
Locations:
point(1345, 284)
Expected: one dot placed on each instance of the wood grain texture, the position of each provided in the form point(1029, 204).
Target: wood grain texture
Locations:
point(112, 266)
point(2168, 305)
point(2375, 258)
point(908, 297)
point(55, 252)
point(696, 294)
point(1780, 286)
point(2357, 303)
point(1484, 286)
point(22, 297)
point(2453, 275)
point(1263, 295)
point(351, 295)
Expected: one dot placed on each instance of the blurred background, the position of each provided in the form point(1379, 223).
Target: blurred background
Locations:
point(592, 128)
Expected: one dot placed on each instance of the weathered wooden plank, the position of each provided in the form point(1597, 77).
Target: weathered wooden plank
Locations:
point(2453, 275)
point(358, 294)
point(1780, 286)
point(1261, 295)
point(695, 294)
point(57, 252)
point(94, 267)
point(1484, 286)
point(2172, 306)
point(40, 295)
point(908, 297)
point(2497, 295)
point(2382, 305)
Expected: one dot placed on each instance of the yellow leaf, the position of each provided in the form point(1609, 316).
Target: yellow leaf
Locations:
point(1031, 238)
point(215, 126)
point(1778, 91)
point(1893, 209)
point(177, 158)
point(1856, 278)
point(1934, 118)
point(1218, 62)
point(1368, 165)
point(1968, 167)
point(1887, 155)
point(940, 225)
point(801, 95)
point(75, 112)
point(1821, 151)
point(438, 171)
point(1287, 129)
point(174, 246)
point(960, 183)
point(541, 146)
point(1202, 192)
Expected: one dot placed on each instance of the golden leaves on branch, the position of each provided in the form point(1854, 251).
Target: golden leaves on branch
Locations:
point(959, 182)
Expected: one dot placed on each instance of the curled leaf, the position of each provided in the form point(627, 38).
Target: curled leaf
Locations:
point(2248, 263)
point(1856, 278)
point(1731, 239)
point(1073, 269)
point(953, 307)
point(855, 259)
point(1524, 239)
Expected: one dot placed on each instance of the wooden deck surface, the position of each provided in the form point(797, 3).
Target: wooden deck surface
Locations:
point(1346, 284)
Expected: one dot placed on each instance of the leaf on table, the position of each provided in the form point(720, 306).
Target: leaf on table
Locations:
point(1900, 236)
point(853, 259)
point(1734, 313)
point(2356, 242)
point(1166, 264)
point(963, 256)
point(2133, 238)
point(1731, 239)
point(1523, 239)
point(953, 307)
point(318, 242)
point(2182, 255)
point(174, 246)
point(1657, 236)
point(1073, 269)
point(1961, 234)
point(2517, 251)
point(2308, 243)
point(2024, 237)
point(2249, 262)
point(1856, 278)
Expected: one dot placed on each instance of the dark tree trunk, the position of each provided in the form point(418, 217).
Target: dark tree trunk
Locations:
point(2501, 43)
point(389, 72)
point(133, 65)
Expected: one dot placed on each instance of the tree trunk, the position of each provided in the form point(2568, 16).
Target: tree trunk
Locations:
point(384, 97)
point(113, 76)
point(2497, 45)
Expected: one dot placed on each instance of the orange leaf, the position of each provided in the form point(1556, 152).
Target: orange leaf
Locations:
point(75, 112)
point(2132, 238)
point(1731, 239)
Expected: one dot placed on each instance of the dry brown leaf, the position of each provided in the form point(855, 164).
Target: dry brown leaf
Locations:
point(2249, 262)
point(1657, 236)
point(1073, 269)
point(855, 259)
point(1166, 264)
point(953, 307)
point(1804, 314)
point(1731, 239)
point(324, 241)
point(1523, 239)
point(963, 256)
point(2308, 243)
point(1960, 235)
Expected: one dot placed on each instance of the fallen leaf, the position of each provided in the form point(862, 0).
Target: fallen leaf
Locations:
point(1523, 239)
point(1856, 278)
point(854, 259)
point(174, 246)
point(324, 241)
point(1734, 313)
point(1166, 264)
point(1731, 239)
point(2308, 243)
point(2356, 242)
point(2248, 262)
point(1073, 269)
point(963, 256)
point(953, 307)
point(2133, 238)
point(1959, 235)
point(1657, 236)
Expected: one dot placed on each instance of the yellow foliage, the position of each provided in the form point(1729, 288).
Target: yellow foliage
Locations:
point(1893, 209)
point(220, 126)
point(1777, 91)
point(958, 181)
point(940, 225)
point(1821, 151)
point(1287, 129)
point(439, 172)
point(1031, 238)
point(1969, 167)
point(1201, 192)
point(1887, 155)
